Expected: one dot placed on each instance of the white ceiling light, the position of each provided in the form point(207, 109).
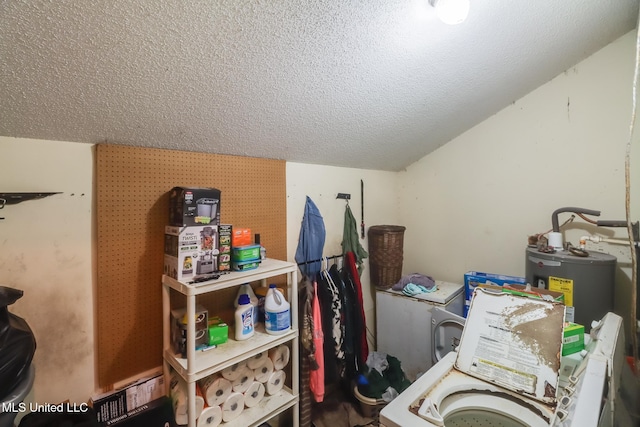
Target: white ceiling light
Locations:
point(451, 11)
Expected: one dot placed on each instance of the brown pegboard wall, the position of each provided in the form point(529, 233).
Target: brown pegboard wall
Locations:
point(132, 186)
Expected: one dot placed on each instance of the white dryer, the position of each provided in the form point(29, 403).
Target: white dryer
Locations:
point(404, 324)
point(507, 372)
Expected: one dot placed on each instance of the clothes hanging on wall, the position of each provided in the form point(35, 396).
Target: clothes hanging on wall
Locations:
point(333, 329)
point(338, 327)
point(317, 375)
point(343, 323)
point(354, 327)
point(307, 350)
point(351, 240)
point(363, 351)
point(311, 240)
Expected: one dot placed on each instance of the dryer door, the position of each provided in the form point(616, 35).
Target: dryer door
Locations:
point(446, 330)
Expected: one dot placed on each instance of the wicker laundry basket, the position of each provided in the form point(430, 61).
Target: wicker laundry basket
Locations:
point(385, 254)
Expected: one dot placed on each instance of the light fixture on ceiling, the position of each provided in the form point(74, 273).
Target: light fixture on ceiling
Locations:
point(451, 11)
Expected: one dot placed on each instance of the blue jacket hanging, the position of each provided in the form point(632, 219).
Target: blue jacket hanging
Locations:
point(311, 240)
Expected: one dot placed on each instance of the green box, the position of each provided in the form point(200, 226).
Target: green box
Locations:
point(218, 331)
point(245, 253)
point(245, 265)
point(572, 338)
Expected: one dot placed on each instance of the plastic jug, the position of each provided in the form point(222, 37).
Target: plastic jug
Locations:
point(277, 314)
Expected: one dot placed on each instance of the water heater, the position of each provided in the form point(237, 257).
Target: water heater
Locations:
point(587, 281)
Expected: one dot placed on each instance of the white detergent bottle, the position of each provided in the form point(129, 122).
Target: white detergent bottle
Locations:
point(277, 314)
point(244, 318)
point(246, 288)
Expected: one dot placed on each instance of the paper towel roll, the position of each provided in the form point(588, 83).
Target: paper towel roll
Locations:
point(179, 397)
point(215, 389)
point(233, 372)
point(211, 416)
point(254, 394)
point(279, 356)
point(262, 373)
point(232, 407)
point(275, 382)
point(257, 360)
point(244, 380)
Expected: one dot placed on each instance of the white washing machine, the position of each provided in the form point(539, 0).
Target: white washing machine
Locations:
point(402, 319)
point(507, 371)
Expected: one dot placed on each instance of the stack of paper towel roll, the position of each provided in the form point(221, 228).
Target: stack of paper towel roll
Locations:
point(222, 397)
point(179, 396)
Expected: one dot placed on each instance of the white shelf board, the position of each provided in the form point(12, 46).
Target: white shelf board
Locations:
point(268, 268)
point(227, 354)
point(269, 407)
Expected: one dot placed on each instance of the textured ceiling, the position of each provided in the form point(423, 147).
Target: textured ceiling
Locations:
point(374, 85)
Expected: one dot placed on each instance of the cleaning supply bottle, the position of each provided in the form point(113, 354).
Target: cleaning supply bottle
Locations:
point(246, 288)
point(277, 315)
point(263, 251)
point(244, 318)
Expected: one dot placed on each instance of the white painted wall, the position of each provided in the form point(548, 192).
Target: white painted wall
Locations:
point(322, 184)
point(46, 250)
point(471, 204)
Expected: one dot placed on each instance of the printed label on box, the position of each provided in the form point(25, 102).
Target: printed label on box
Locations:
point(565, 286)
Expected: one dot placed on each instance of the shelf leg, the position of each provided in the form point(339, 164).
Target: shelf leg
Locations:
point(191, 358)
point(295, 359)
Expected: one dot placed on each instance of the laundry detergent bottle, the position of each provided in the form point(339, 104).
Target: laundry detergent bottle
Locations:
point(244, 319)
point(277, 312)
point(246, 288)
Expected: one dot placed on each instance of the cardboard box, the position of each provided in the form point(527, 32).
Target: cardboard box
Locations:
point(157, 413)
point(218, 331)
point(190, 252)
point(572, 338)
point(114, 406)
point(537, 293)
point(179, 329)
point(473, 279)
point(241, 237)
point(189, 206)
point(224, 247)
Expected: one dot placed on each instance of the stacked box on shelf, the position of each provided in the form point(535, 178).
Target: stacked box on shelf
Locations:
point(474, 279)
point(190, 206)
point(245, 257)
point(192, 236)
point(225, 232)
point(179, 329)
point(191, 252)
point(241, 236)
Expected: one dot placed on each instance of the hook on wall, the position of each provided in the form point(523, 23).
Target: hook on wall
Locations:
point(345, 196)
point(15, 198)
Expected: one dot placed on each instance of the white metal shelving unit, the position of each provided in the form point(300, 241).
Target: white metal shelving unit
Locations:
point(199, 364)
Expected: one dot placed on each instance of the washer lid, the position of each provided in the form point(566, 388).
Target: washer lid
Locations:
point(514, 342)
point(444, 293)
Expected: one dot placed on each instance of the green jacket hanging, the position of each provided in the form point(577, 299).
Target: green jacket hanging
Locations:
point(351, 240)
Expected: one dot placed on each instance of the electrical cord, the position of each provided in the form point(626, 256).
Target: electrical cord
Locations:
point(627, 176)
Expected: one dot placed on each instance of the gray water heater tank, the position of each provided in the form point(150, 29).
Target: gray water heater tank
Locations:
point(588, 282)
